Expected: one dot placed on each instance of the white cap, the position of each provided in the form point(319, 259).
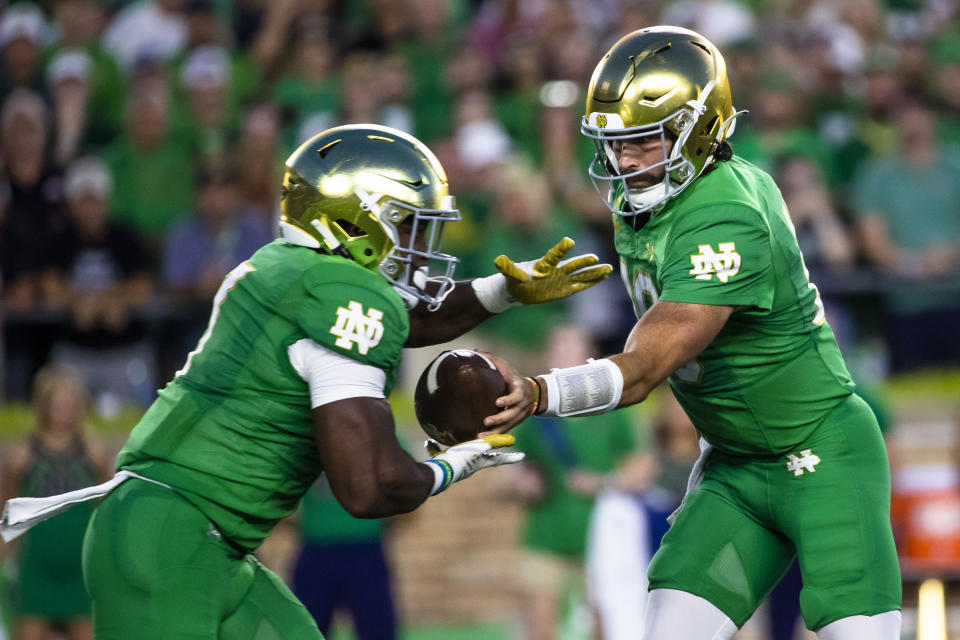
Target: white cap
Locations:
point(482, 143)
point(22, 20)
point(87, 176)
point(205, 68)
point(71, 64)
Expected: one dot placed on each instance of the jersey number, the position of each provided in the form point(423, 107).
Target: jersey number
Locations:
point(644, 295)
point(229, 282)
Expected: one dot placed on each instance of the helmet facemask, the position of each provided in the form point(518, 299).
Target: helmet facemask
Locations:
point(416, 235)
point(604, 170)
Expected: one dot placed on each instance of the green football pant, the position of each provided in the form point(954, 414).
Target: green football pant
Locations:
point(156, 568)
point(738, 532)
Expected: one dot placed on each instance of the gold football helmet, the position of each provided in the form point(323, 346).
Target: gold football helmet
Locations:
point(663, 82)
point(376, 196)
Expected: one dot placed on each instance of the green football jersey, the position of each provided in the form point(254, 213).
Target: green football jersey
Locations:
point(774, 370)
point(233, 432)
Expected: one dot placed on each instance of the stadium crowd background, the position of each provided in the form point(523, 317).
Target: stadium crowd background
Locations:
point(143, 145)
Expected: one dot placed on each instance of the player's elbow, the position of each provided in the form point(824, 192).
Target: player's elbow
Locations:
point(365, 505)
point(382, 498)
point(367, 510)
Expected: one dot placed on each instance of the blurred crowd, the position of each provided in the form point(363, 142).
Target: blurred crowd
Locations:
point(142, 150)
point(141, 153)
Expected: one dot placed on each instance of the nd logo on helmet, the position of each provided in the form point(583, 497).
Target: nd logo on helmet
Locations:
point(601, 120)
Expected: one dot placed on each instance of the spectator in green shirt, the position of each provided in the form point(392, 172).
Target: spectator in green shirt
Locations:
point(78, 24)
point(908, 207)
point(152, 169)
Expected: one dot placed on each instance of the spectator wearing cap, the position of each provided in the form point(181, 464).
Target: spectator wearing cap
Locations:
point(35, 196)
point(22, 35)
point(77, 24)
point(202, 249)
point(204, 109)
point(151, 166)
point(207, 30)
point(34, 214)
point(102, 279)
point(68, 75)
point(154, 30)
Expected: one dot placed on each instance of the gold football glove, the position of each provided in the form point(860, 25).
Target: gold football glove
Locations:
point(551, 277)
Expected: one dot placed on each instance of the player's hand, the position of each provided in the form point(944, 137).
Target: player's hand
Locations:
point(551, 277)
point(518, 403)
point(463, 460)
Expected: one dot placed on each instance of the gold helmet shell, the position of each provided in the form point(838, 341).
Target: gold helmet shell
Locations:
point(349, 189)
point(660, 81)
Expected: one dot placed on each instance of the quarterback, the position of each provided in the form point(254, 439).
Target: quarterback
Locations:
point(792, 464)
point(288, 381)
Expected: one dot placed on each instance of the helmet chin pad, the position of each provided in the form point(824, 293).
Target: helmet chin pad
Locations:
point(643, 199)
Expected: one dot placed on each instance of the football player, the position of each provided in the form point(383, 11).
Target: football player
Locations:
point(289, 380)
point(792, 461)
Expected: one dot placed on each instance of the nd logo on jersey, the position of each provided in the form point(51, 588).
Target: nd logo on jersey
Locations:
point(353, 327)
point(724, 263)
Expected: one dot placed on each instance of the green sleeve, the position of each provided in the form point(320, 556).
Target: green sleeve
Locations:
point(351, 314)
point(719, 255)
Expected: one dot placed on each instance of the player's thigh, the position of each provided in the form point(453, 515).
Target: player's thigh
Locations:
point(839, 520)
point(716, 551)
point(269, 611)
point(155, 568)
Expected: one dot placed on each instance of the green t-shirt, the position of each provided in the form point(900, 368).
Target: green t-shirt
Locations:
point(323, 520)
point(921, 209)
point(233, 432)
point(774, 370)
point(151, 189)
point(558, 521)
point(921, 205)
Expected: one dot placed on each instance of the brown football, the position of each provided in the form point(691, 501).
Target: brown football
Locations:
point(455, 393)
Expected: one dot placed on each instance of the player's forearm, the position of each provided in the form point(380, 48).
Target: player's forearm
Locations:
point(648, 358)
point(459, 313)
point(667, 337)
point(397, 490)
point(369, 472)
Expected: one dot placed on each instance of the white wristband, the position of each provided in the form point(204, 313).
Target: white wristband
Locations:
point(584, 390)
point(492, 293)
